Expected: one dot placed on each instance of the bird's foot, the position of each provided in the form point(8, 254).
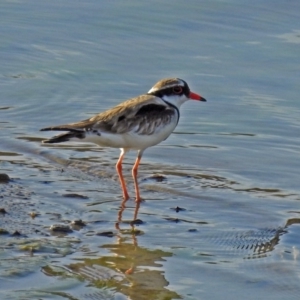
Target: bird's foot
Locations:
point(139, 199)
point(125, 197)
point(125, 193)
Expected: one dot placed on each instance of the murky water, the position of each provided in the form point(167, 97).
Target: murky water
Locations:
point(221, 219)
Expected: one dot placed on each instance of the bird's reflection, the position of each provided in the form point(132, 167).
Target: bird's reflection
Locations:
point(123, 207)
point(132, 229)
point(134, 271)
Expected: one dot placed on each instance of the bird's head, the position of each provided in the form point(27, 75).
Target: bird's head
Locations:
point(175, 91)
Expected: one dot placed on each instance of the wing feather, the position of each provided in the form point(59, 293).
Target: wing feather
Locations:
point(142, 115)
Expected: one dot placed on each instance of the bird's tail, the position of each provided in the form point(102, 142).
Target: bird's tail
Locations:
point(73, 133)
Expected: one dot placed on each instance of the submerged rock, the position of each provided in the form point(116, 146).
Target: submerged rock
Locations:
point(178, 209)
point(60, 228)
point(136, 222)
point(74, 195)
point(4, 178)
point(106, 233)
point(156, 177)
point(3, 231)
point(16, 233)
point(78, 223)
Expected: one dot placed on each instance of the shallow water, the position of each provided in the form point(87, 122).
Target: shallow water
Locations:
point(221, 221)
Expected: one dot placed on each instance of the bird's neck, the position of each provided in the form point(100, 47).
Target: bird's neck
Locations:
point(175, 101)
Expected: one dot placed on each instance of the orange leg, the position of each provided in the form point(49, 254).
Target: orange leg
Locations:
point(134, 175)
point(119, 170)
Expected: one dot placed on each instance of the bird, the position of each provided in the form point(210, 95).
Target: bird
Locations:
point(135, 124)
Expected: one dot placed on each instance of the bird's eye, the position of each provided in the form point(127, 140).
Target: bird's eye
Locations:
point(177, 89)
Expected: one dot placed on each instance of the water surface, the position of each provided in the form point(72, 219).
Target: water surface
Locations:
point(223, 221)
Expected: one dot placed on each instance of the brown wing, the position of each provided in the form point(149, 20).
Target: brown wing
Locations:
point(142, 115)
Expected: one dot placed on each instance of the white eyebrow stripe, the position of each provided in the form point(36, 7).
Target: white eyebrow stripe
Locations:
point(166, 87)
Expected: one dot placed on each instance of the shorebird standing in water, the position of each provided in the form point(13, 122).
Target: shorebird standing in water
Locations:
point(134, 124)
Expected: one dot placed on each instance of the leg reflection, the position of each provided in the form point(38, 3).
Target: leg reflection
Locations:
point(123, 207)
